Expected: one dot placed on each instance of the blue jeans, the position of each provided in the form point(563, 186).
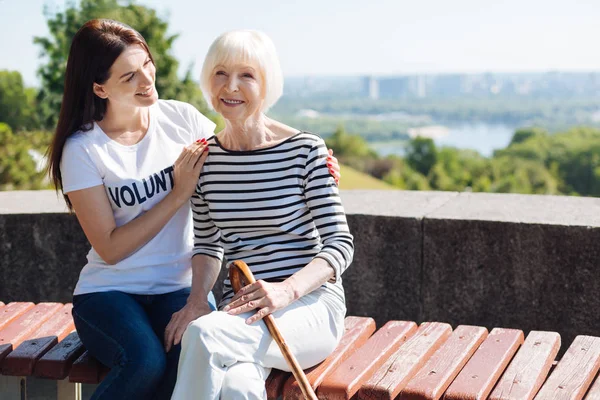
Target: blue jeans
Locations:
point(125, 332)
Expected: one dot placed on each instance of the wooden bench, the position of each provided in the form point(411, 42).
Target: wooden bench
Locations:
point(400, 360)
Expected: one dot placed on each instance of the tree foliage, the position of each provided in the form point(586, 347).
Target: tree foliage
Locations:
point(533, 163)
point(421, 154)
point(17, 103)
point(64, 25)
point(21, 159)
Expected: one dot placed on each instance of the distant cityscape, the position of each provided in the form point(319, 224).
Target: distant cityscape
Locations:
point(551, 84)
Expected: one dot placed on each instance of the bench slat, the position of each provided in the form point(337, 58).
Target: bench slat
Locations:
point(275, 382)
point(528, 370)
point(355, 329)
point(439, 371)
point(57, 363)
point(22, 327)
point(22, 360)
point(348, 378)
point(400, 367)
point(357, 332)
point(480, 374)
point(86, 369)
point(574, 373)
point(13, 311)
point(594, 392)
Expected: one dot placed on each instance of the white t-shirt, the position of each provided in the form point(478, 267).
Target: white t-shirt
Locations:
point(136, 178)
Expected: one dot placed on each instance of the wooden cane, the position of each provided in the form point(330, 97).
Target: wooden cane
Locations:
point(239, 269)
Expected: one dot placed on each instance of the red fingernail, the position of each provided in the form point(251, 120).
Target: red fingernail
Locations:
point(206, 148)
point(198, 141)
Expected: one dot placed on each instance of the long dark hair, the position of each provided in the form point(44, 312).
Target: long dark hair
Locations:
point(94, 49)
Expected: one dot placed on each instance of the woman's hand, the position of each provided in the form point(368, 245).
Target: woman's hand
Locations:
point(334, 167)
point(180, 321)
point(264, 296)
point(187, 169)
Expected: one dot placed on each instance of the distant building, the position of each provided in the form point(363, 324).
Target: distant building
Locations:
point(394, 87)
point(370, 87)
point(447, 85)
point(420, 86)
point(487, 84)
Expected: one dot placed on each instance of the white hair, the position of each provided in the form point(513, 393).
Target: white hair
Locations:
point(248, 47)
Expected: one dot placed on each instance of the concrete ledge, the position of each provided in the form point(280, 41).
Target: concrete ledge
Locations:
point(31, 202)
point(524, 209)
point(515, 261)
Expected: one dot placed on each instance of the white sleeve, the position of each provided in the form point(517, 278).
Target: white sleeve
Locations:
point(77, 169)
point(202, 127)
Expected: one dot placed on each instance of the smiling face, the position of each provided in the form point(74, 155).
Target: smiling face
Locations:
point(236, 91)
point(131, 81)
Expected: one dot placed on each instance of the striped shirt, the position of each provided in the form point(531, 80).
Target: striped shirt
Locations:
point(275, 208)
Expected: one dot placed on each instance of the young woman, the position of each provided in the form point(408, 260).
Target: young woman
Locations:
point(127, 164)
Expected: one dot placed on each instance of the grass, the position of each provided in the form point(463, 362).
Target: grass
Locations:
point(353, 179)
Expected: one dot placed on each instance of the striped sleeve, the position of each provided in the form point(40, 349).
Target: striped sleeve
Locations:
point(327, 212)
point(207, 237)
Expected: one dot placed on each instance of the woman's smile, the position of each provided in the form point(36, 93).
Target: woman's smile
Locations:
point(232, 102)
point(147, 93)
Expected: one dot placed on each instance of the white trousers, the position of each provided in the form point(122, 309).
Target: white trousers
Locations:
point(224, 358)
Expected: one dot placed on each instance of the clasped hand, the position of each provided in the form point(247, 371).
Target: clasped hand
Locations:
point(263, 296)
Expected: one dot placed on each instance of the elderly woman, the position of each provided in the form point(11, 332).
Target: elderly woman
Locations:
point(265, 197)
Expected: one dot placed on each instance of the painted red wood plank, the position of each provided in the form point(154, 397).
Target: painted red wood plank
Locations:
point(357, 332)
point(22, 360)
point(594, 392)
point(528, 370)
point(480, 374)
point(57, 363)
point(575, 371)
point(433, 379)
point(355, 329)
point(347, 379)
point(22, 327)
point(13, 311)
point(86, 369)
point(400, 367)
point(275, 383)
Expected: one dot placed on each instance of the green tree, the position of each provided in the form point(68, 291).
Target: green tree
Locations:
point(403, 176)
point(513, 175)
point(421, 154)
point(17, 103)
point(523, 134)
point(440, 180)
point(19, 168)
point(347, 146)
point(576, 153)
point(64, 25)
point(351, 150)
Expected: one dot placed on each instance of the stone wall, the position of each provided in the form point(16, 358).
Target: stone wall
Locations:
point(496, 260)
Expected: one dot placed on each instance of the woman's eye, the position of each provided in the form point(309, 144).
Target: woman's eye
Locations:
point(130, 78)
point(220, 73)
point(146, 63)
point(248, 76)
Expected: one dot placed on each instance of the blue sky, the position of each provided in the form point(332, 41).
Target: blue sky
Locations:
point(380, 37)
